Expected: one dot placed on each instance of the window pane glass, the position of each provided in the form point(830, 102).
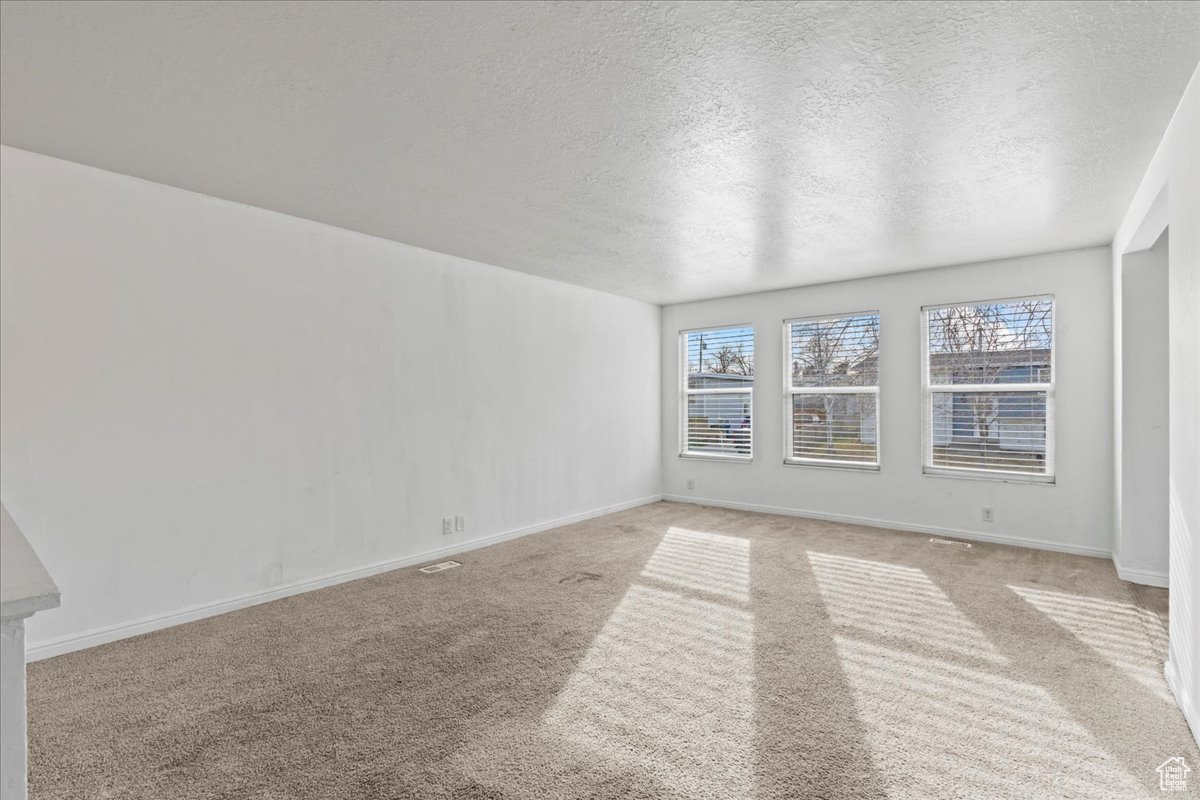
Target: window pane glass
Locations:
point(835, 427)
point(991, 343)
point(990, 430)
point(719, 424)
point(721, 358)
point(835, 352)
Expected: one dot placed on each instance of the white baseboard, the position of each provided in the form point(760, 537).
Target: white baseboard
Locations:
point(1146, 577)
point(80, 641)
point(1017, 541)
point(1184, 700)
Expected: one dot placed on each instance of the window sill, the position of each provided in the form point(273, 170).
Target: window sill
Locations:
point(989, 475)
point(716, 457)
point(840, 466)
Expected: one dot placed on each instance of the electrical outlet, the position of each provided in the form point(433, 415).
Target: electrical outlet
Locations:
point(447, 525)
point(460, 522)
point(989, 514)
point(691, 484)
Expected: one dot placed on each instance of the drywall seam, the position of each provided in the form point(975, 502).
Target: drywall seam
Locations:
point(1016, 541)
point(92, 638)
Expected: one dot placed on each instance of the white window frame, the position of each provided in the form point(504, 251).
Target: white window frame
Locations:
point(685, 392)
point(790, 391)
point(929, 390)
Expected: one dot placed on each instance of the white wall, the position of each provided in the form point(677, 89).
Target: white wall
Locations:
point(1073, 515)
point(1141, 551)
point(1169, 194)
point(203, 400)
point(13, 764)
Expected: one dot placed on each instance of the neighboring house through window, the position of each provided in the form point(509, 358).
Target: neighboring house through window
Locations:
point(989, 389)
point(832, 382)
point(718, 392)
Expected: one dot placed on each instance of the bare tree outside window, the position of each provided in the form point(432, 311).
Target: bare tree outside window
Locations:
point(730, 360)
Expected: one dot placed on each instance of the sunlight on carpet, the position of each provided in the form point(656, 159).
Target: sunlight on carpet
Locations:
point(1124, 635)
point(703, 562)
point(979, 734)
point(891, 600)
point(667, 687)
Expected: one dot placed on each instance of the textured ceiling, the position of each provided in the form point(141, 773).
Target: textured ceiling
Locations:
point(661, 151)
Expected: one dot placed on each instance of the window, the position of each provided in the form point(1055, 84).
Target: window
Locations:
point(718, 392)
point(989, 389)
point(832, 406)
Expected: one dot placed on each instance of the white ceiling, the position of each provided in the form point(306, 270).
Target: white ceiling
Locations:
point(661, 151)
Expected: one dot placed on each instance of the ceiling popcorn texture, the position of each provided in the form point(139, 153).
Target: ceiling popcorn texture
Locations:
point(667, 152)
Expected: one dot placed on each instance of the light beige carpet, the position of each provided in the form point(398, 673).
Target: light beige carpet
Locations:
point(671, 651)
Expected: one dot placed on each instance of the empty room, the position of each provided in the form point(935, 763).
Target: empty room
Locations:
point(664, 400)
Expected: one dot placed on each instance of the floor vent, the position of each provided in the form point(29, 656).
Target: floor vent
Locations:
point(432, 568)
point(963, 545)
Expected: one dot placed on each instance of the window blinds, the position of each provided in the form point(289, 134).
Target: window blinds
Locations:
point(833, 388)
point(989, 386)
point(718, 392)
